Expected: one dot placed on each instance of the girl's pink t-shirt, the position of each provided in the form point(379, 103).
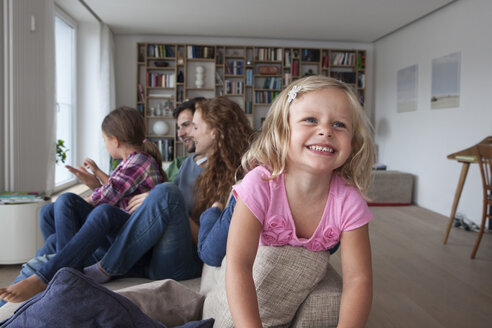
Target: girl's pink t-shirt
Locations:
point(345, 210)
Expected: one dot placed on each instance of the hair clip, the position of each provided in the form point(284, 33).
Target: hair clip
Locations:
point(145, 140)
point(293, 93)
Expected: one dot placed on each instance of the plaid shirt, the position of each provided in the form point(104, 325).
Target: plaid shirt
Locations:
point(137, 174)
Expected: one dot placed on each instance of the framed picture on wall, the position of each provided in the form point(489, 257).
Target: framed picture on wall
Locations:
point(406, 90)
point(446, 81)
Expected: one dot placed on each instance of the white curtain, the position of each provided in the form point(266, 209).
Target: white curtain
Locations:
point(29, 104)
point(107, 87)
point(50, 119)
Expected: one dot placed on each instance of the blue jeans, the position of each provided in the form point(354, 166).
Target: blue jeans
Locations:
point(96, 232)
point(156, 240)
point(64, 218)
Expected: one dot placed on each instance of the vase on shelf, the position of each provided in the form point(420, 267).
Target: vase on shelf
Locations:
point(160, 128)
point(199, 82)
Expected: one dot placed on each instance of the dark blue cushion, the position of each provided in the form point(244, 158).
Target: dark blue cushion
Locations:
point(73, 300)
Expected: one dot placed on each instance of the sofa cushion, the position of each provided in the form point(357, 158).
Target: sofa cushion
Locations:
point(166, 301)
point(73, 300)
point(68, 301)
point(321, 308)
point(284, 276)
point(390, 188)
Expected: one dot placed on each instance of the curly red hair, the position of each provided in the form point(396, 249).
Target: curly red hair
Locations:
point(233, 134)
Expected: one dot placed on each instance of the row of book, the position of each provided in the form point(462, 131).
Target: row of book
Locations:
point(161, 80)
point(166, 147)
point(310, 55)
point(265, 97)
point(159, 51)
point(234, 67)
point(268, 54)
point(343, 59)
point(272, 83)
point(234, 87)
point(201, 52)
point(361, 60)
point(347, 77)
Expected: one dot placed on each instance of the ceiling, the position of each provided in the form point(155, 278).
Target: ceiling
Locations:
point(324, 20)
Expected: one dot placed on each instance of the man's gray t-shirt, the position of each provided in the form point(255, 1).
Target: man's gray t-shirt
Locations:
point(185, 180)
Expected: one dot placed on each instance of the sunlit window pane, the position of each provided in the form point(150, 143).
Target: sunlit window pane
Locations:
point(65, 103)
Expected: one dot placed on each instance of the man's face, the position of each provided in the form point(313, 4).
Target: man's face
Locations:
point(184, 128)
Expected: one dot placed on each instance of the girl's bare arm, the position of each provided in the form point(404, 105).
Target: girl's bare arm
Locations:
point(242, 245)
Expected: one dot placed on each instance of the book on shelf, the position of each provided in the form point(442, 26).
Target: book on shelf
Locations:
point(200, 52)
point(218, 78)
point(249, 76)
point(272, 83)
point(141, 93)
point(310, 55)
point(347, 77)
point(160, 51)
point(287, 60)
point(141, 109)
point(234, 67)
point(166, 147)
point(326, 62)
point(343, 59)
point(295, 68)
point(248, 107)
point(161, 80)
point(287, 78)
point(361, 81)
point(361, 60)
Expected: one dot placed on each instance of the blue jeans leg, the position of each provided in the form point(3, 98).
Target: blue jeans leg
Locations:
point(70, 213)
point(49, 246)
point(47, 220)
point(95, 233)
point(156, 240)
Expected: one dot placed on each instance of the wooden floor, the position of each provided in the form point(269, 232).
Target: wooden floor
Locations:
point(418, 281)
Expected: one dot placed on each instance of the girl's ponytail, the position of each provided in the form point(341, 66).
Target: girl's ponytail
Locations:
point(151, 149)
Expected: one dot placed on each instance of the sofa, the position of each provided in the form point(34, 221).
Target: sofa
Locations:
point(390, 188)
point(295, 288)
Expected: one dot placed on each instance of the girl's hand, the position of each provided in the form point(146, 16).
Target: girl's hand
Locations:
point(91, 165)
point(87, 178)
point(135, 202)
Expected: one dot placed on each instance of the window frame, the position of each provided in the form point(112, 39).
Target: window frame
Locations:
point(61, 14)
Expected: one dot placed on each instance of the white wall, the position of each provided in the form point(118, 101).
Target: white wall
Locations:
point(418, 142)
point(126, 58)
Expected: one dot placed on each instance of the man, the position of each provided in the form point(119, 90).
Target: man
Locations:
point(184, 116)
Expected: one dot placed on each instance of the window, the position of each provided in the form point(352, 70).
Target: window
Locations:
point(65, 95)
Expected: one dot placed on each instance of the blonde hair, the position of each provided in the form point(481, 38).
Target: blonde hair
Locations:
point(271, 147)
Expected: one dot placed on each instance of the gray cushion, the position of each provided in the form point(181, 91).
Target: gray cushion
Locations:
point(321, 308)
point(284, 277)
point(166, 301)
